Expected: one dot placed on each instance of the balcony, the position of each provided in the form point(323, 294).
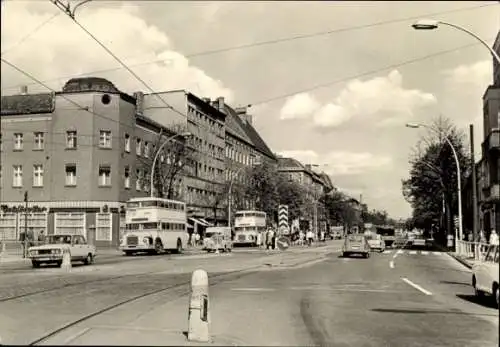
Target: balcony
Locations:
point(493, 140)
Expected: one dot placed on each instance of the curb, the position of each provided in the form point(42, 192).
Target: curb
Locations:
point(460, 260)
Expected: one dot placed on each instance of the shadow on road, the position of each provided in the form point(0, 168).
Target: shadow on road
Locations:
point(485, 301)
point(406, 311)
point(457, 283)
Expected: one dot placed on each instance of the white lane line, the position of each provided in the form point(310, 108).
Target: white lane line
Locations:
point(436, 253)
point(416, 286)
point(253, 289)
point(399, 252)
point(387, 252)
point(391, 264)
point(413, 252)
point(425, 252)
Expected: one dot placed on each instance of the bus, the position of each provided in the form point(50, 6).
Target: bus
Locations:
point(388, 234)
point(247, 224)
point(153, 225)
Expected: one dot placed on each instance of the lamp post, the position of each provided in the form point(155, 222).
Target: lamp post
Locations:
point(185, 134)
point(459, 185)
point(431, 24)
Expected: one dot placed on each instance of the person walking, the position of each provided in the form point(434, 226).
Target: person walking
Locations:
point(493, 238)
point(41, 237)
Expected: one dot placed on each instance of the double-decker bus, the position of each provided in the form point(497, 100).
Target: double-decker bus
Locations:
point(153, 225)
point(247, 224)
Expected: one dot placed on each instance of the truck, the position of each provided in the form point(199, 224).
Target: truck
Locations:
point(388, 234)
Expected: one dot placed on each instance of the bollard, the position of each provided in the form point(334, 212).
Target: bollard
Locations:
point(198, 319)
point(66, 262)
point(2, 252)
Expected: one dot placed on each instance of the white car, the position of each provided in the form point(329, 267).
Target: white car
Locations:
point(485, 274)
point(376, 243)
point(51, 252)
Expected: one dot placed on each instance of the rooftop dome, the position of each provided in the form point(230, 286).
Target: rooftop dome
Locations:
point(87, 84)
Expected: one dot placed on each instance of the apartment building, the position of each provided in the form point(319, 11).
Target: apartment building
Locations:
point(77, 154)
point(314, 184)
point(205, 121)
point(489, 202)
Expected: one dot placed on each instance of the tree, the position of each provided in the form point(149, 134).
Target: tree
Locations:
point(293, 195)
point(339, 210)
point(176, 159)
point(433, 175)
point(262, 188)
point(218, 197)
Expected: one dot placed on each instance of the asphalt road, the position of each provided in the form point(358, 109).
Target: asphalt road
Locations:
point(417, 300)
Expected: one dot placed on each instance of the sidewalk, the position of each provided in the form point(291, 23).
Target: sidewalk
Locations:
point(468, 262)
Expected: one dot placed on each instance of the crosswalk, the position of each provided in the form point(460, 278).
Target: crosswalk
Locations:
point(410, 252)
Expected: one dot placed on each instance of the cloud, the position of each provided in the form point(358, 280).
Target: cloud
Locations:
point(339, 163)
point(381, 101)
point(299, 106)
point(475, 74)
point(62, 49)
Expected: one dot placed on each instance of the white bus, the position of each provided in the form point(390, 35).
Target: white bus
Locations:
point(247, 224)
point(154, 225)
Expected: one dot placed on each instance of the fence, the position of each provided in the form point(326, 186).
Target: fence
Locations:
point(471, 250)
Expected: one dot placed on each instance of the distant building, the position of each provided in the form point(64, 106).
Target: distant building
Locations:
point(75, 153)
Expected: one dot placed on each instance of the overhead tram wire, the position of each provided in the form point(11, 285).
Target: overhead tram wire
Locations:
point(27, 36)
point(363, 74)
point(81, 107)
point(274, 41)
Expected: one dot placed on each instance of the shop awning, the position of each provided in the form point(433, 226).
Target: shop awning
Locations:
point(206, 223)
point(199, 221)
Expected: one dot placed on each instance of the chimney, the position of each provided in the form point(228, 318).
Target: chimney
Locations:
point(24, 90)
point(220, 103)
point(139, 103)
point(207, 100)
point(242, 113)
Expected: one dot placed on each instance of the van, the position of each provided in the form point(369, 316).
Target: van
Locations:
point(218, 238)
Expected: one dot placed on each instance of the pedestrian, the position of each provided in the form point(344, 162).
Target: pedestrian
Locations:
point(259, 239)
point(493, 238)
point(309, 236)
point(22, 239)
point(197, 239)
point(41, 237)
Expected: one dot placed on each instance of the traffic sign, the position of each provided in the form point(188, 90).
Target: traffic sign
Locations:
point(283, 243)
point(283, 218)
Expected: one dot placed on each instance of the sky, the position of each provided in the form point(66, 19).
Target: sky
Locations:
point(333, 86)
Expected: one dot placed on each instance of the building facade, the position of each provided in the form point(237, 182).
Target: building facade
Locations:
point(489, 195)
point(203, 181)
point(75, 153)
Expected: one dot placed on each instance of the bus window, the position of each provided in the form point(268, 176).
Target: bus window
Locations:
point(146, 226)
point(132, 204)
point(149, 203)
point(239, 214)
point(132, 227)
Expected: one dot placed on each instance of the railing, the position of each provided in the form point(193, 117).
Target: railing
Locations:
point(471, 250)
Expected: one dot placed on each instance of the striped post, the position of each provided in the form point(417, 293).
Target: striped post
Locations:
point(283, 219)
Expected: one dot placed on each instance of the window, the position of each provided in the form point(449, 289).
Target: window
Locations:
point(138, 146)
point(138, 179)
point(127, 177)
point(104, 223)
point(105, 139)
point(17, 176)
point(71, 139)
point(38, 140)
point(71, 175)
point(146, 149)
point(127, 143)
point(104, 176)
point(18, 141)
point(37, 175)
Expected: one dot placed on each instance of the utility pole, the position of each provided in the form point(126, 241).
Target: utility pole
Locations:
point(25, 224)
point(474, 185)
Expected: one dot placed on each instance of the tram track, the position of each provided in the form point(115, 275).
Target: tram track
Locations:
point(213, 280)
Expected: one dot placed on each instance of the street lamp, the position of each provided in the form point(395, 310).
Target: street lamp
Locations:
point(185, 134)
point(459, 185)
point(431, 24)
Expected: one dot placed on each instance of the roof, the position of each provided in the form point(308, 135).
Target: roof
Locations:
point(258, 142)
point(234, 125)
point(290, 164)
point(87, 84)
point(28, 104)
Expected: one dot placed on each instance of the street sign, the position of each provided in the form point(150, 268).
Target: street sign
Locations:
point(283, 218)
point(283, 243)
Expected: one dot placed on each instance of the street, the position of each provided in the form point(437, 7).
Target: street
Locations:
point(257, 298)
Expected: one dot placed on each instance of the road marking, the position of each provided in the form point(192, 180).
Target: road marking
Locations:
point(386, 252)
point(416, 286)
point(399, 252)
point(425, 252)
point(253, 289)
point(413, 252)
point(436, 253)
point(391, 264)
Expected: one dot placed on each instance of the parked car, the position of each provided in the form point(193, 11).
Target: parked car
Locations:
point(376, 243)
point(485, 274)
point(51, 252)
point(356, 244)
